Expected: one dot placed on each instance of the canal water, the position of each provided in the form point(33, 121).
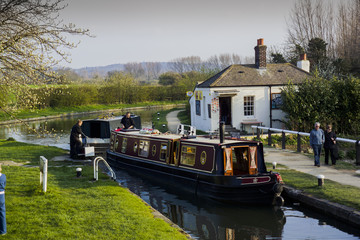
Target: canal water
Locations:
point(201, 218)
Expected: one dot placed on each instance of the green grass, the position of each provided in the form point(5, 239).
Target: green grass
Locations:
point(73, 208)
point(332, 191)
point(22, 114)
point(185, 119)
point(158, 124)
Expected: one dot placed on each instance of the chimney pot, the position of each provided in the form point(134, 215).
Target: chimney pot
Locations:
point(260, 41)
point(303, 57)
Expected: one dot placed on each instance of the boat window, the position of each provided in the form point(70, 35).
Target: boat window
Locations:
point(135, 147)
point(116, 143)
point(123, 146)
point(203, 158)
point(144, 148)
point(163, 151)
point(154, 150)
point(188, 155)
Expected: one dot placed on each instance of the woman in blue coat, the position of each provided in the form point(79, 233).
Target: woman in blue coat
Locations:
point(2, 203)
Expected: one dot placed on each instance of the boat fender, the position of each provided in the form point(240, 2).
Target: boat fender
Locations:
point(279, 201)
point(278, 188)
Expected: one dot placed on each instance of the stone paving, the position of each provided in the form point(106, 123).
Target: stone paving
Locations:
point(303, 163)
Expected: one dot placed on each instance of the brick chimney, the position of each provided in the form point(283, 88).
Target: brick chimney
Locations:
point(260, 54)
point(304, 64)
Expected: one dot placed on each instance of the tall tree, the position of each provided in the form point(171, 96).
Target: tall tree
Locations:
point(31, 34)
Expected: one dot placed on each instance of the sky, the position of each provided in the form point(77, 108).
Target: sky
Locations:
point(162, 30)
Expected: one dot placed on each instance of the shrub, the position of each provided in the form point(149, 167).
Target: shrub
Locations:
point(341, 154)
point(351, 154)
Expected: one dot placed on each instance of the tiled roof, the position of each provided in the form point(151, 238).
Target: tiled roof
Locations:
point(249, 75)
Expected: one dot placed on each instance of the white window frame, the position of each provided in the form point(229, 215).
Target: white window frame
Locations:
point(253, 115)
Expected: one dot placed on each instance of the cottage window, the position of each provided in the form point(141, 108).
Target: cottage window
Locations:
point(188, 155)
point(198, 107)
point(123, 146)
point(144, 148)
point(249, 105)
point(276, 100)
point(163, 151)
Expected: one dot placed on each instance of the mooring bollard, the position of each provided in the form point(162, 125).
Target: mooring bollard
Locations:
point(78, 172)
point(320, 180)
point(274, 165)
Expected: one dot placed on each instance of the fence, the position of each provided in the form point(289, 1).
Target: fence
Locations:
point(299, 134)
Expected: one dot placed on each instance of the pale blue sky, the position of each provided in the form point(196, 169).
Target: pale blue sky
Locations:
point(161, 30)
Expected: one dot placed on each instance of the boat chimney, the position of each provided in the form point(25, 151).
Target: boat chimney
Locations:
point(222, 131)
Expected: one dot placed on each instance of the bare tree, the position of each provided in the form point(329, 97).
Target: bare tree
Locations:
point(348, 31)
point(186, 64)
point(312, 19)
point(31, 33)
point(152, 70)
point(135, 69)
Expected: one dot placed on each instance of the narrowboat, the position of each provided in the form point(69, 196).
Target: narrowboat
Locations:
point(225, 170)
point(98, 131)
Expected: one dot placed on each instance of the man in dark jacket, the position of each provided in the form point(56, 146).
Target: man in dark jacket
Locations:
point(127, 121)
point(330, 145)
point(76, 139)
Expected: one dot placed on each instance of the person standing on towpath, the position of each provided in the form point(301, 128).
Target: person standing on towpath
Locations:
point(316, 140)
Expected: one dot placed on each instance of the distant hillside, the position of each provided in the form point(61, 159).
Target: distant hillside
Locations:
point(101, 71)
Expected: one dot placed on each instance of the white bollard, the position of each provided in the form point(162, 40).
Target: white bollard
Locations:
point(274, 165)
point(320, 180)
point(78, 172)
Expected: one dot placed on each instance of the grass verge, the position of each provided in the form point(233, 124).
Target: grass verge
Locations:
point(159, 119)
point(73, 208)
point(26, 113)
point(332, 191)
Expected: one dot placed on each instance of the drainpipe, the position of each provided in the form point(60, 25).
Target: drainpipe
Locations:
point(270, 100)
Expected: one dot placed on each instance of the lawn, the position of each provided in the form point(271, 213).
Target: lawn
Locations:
point(72, 208)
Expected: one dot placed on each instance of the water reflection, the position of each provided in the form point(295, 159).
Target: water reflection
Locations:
point(204, 219)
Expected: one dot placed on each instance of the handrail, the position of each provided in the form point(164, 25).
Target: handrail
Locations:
point(96, 168)
point(303, 134)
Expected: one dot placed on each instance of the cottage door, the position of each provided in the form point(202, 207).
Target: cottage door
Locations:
point(225, 110)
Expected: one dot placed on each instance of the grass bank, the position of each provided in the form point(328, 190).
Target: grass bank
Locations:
point(73, 208)
point(26, 113)
point(332, 191)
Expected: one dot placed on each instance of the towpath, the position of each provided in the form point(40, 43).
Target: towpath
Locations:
point(173, 120)
point(292, 160)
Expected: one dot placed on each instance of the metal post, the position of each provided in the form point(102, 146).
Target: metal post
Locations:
point(298, 143)
point(222, 131)
point(269, 137)
point(357, 147)
point(258, 133)
point(283, 140)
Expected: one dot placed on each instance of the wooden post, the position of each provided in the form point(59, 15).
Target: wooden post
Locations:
point(258, 133)
point(298, 143)
point(283, 140)
point(269, 137)
point(357, 147)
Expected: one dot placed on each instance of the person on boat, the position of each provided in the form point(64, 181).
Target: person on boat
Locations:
point(330, 146)
point(127, 121)
point(76, 139)
point(317, 138)
point(2, 203)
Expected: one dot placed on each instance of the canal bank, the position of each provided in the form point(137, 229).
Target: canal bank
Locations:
point(73, 114)
point(73, 207)
point(304, 164)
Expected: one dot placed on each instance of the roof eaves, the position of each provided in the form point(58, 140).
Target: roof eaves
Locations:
point(221, 76)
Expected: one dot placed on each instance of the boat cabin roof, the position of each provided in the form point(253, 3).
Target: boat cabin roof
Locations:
point(197, 139)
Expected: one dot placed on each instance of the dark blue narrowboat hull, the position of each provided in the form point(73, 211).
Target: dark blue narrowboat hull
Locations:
point(229, 189)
